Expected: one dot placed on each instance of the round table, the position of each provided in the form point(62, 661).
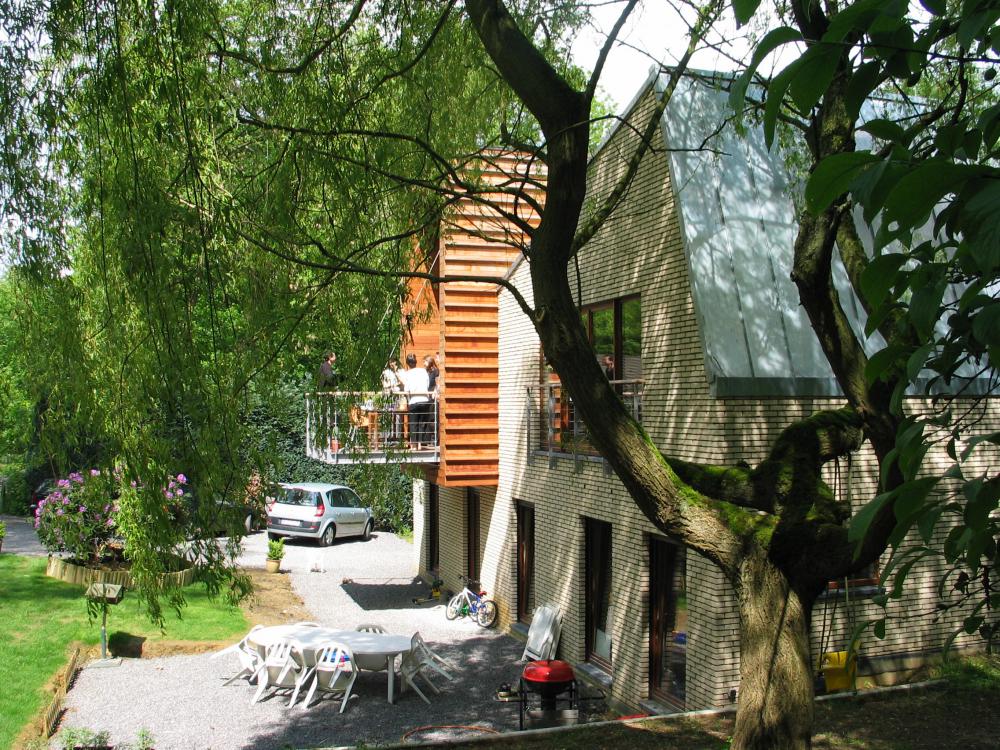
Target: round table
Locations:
point(367, 647)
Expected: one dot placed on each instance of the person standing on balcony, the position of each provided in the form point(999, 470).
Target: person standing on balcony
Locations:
point(433, 374)
point(392, 388)
point(609, 366)
point(327, 375)
point(416, 383)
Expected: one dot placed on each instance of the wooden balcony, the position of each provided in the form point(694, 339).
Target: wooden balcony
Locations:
point(370, 428)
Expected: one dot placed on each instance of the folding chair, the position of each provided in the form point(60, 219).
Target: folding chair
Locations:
point(250, 660)
point(283, 667)
point(335, 672)
point(417, 661)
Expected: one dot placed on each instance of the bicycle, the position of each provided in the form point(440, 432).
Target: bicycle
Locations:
point(470, 603)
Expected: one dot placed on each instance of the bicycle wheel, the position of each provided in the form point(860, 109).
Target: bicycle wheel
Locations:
point(487, 614)
point(454, 607)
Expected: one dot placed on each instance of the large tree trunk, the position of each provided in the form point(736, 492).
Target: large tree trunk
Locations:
point(775, 710)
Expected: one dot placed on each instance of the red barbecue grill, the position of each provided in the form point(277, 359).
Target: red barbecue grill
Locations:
point(554, 685)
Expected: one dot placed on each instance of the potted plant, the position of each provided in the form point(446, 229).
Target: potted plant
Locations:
point(436, 585)
point(3, 533)
point(275, 551)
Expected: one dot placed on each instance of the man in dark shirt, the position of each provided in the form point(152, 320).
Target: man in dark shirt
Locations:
point(327, 377)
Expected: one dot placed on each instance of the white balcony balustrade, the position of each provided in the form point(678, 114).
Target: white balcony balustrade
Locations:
point(352, 427)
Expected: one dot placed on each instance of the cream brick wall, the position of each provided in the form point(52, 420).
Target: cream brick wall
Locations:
point(640, 251)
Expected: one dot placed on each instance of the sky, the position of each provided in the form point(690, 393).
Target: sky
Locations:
point(654, 34)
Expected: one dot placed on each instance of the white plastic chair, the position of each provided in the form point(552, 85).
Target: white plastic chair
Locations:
point(283, 667)
point(307, 624)
point(543, 635)
point(417, 661)
point(250, 660)
point(366, 662)
point(335, 672)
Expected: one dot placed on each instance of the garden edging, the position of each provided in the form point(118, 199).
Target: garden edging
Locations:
point(64, 570)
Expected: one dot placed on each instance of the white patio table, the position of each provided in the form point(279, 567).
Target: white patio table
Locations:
point(375, 646)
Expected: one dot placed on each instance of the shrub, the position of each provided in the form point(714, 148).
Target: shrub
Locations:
point(275, 549)
point(78, 516)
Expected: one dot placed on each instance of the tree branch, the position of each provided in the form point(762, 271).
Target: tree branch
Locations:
point(602, 56)
point(594, 222)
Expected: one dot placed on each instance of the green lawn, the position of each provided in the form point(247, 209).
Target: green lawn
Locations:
point(40, 616)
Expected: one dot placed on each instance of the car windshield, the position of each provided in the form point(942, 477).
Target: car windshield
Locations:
point(293, 496)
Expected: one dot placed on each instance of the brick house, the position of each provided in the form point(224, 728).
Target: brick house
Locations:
point(687, 296)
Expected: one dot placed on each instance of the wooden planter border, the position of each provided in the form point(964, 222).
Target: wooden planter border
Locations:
point(51, 718)
point(71, 573)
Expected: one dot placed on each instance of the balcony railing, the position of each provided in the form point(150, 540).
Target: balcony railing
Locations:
point(553, 425)
point(345, 427)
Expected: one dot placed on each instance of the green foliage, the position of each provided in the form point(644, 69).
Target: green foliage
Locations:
point(275, 549)
point(928, 186)
point(71, 738)
point(78, 517)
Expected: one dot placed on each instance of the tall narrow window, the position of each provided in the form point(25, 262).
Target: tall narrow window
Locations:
point(598, 592)
point(668, 622)
point(433, 524)
point(525, 561)
point(629, 356)
point(472, 532)
point(615, 332)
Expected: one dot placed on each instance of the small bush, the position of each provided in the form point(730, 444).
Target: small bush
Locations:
point(78, 517)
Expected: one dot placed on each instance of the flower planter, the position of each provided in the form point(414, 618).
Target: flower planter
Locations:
point(64, 570)
point(273, 566)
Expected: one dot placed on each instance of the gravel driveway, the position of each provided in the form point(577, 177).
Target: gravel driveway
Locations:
point(182, 702)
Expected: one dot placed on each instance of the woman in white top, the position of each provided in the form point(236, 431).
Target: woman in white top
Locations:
point(416, 383)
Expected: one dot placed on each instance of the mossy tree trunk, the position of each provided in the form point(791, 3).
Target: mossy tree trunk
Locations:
point(775, 709)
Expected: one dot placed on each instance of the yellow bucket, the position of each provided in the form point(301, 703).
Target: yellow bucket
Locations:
point(839, 670)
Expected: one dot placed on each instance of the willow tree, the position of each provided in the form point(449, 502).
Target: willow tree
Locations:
point(273, 151)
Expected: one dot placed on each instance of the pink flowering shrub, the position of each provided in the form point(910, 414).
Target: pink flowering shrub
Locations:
point(79, 517)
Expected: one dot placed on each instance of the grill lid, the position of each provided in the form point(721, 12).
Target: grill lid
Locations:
point(548, 671)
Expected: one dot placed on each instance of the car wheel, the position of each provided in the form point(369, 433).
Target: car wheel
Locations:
point(367, 533)
point(329, 534)
point(272, 537)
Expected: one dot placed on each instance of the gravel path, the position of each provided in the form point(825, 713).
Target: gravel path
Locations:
point(21, 538)
point(182, 702)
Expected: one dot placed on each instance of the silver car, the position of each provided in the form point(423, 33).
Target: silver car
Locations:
point(316, 510)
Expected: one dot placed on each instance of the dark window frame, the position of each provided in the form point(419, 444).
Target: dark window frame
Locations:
point(433, 528)
point(525, 560)
point(664, 558)
point(618, 326)
point(473, 551)
point(597, 588)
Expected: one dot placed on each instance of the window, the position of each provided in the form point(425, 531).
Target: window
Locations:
point(598, 591)
point(525, 561)
point(867, 576)
point(433, 522)
point(344, 498)
point(472, 532)
point(615, 332)
point(667, 621)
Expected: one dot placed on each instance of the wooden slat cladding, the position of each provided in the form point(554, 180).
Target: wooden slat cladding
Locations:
point(476, 240)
